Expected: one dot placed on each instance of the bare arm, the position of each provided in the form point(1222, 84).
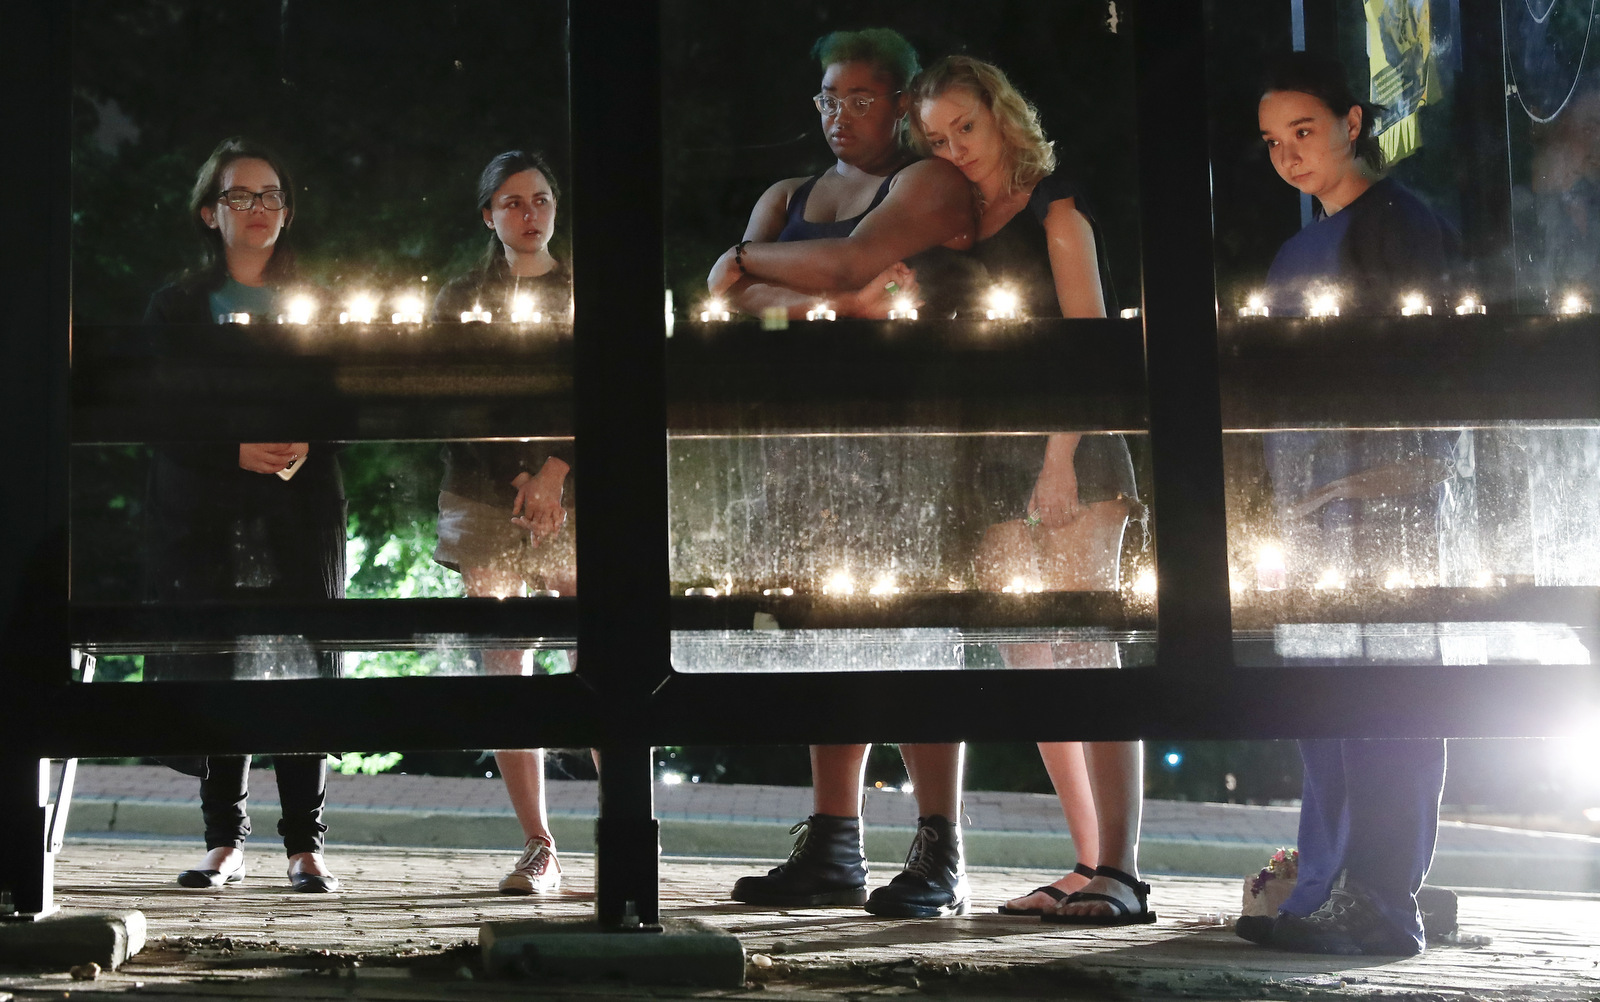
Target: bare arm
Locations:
point(1076, 270)
point(1394, 480)
point(1073, 261)
point(929, 204)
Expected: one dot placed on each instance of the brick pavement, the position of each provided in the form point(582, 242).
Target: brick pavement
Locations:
point(404, 909)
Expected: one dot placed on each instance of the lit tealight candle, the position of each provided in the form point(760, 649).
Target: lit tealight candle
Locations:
point(884, 586)
point(1002, 304)
point(410, 311)
point(716, 311)
point(300, 310)
point(1022, 586)
point(777, 592)
point(1271, 573)
point(700, 592)
point(903, 310)
point(522, 311)
point(1131, 313)
point(1324, 304)
point(476, 315)
point(1469, 304)
point(1413, 305)
point(1254, 306)
point(1397, 580)
point(839, 583)
point(1145, 583)
point(821, 312)
point(360, 310)
point(1483, 579)
point(235, 318)
point(1574, 305)
point(1331, 580)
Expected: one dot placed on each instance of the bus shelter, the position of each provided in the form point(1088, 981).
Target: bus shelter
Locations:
point(699, 622)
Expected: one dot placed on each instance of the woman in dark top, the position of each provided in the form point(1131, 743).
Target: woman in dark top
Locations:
point(502, 521)
point(1037, 239)
point(1369, 811)
point(842, 236)
point(252, 521)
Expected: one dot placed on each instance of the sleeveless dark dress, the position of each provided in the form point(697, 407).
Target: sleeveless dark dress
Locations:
point(1018, 255)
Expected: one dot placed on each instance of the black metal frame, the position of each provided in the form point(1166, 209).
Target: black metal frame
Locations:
point(626, 697)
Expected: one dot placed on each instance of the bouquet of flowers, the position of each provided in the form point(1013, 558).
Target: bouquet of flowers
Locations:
point(1265, 892)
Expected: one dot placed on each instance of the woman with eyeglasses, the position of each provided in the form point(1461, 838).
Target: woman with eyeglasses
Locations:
point(1037, 237)
point(845, 235)
point(248, 521)
point(842, 236)
point(506, 522)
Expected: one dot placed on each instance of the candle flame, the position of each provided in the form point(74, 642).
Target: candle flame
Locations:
point(301, 309)
point(839, 583)
point(883, 586)
point(1145, 583)
point(1331, 580)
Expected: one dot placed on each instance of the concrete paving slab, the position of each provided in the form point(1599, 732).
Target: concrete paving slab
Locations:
point(70, 939)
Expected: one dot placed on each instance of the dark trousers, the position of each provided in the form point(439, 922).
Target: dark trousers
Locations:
point(226, 786)
point(1369, 809)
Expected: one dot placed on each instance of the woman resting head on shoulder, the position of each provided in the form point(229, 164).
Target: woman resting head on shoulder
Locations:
point(517, 199)
point(1035, 235)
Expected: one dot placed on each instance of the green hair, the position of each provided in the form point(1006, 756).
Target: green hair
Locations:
point(884, 48)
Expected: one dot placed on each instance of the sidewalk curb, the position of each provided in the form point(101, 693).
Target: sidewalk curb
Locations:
point(768, 843)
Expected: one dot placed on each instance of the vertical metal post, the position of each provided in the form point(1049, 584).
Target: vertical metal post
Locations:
point(1180, 314)
point(1481, 110)
point(618, 271)
point(34, 354)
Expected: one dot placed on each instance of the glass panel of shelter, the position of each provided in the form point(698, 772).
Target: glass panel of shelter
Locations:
point(1411, 467)
point(371, 288)
point(858, 450)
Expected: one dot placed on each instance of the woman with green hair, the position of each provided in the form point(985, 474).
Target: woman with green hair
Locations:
point(843, 235)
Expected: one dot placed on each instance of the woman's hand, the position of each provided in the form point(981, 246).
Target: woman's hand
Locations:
point(270, 457)
point(723, 274)
point(888, 290)
point(1054, 501)
point(538, 505)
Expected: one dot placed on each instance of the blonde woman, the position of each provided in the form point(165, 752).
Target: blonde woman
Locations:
point(1037, 237)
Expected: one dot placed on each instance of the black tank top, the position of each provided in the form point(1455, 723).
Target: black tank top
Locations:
point(799, 228)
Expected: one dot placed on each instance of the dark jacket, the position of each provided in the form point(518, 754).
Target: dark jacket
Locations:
point(217, 532)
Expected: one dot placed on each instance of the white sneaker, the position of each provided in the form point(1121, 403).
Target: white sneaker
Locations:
point(537, 871)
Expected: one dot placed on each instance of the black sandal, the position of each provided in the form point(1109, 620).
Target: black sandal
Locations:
point(1081, 869)
point(1121, 914)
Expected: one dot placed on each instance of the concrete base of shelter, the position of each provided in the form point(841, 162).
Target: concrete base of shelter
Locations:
point(69, 939)
point(766, 843)
point(683, 952)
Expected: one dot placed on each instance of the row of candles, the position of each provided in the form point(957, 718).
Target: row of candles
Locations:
point(1272, 574)
point(1326, 304)
point(843, 584)
point(362, 308)
point(1001, 303)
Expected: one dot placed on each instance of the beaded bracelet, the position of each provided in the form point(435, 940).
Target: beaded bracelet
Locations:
point(738, 256)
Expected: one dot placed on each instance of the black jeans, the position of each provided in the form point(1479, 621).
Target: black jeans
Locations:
point(225, 788)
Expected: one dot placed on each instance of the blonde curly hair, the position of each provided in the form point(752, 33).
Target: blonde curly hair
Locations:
point(1029, 156)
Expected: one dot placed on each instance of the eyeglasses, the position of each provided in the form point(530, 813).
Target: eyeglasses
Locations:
point(855, 104)
point(242, 199)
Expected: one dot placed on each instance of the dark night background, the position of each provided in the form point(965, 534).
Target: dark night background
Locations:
point(387, 113)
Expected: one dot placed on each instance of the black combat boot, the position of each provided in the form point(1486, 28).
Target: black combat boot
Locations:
point(826, 867)
point(934, 882)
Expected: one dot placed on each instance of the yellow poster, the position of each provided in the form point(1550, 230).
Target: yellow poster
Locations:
point(1404, 71)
